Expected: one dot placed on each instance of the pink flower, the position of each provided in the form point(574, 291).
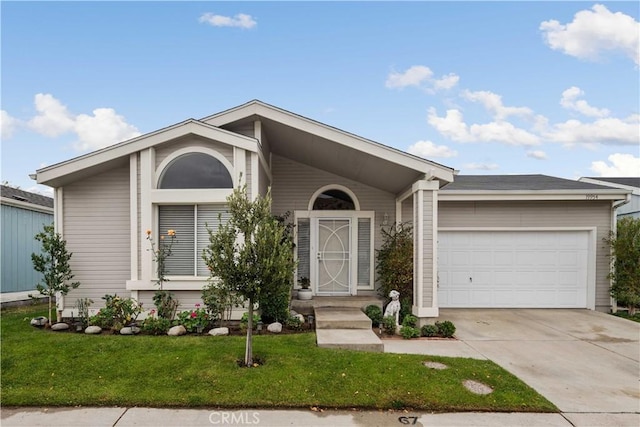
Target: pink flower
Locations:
point(198, 305)
point(193, 314)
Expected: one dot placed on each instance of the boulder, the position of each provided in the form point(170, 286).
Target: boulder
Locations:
point(129, 330)
point(219, 331)
point(177, 330)
point(299, 317)
point(92, 330)
point(59, 327)
point(275, 327)
point(39, 321)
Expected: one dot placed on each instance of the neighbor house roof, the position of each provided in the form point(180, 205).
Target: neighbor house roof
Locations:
point(627, 181)
point(21, 198)
point(526, 187)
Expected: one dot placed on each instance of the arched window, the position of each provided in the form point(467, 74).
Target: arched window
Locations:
point(195, 170)
point(335, 200)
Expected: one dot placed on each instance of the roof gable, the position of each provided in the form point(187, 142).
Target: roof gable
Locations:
point(15, 194)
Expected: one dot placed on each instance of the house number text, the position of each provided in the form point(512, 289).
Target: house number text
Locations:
point(591, 197)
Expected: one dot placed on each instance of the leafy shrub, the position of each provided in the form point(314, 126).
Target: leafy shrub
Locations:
point(156, 325)
point(166, 304)
point(429, 330)
point(410, 320)
point(446, 329)
point(117, 313)
point(389, 325)
point(244, 322)
point(83, 304)
point(293, 323)
point(409, 332)
point(374, 313)
point(395, 264)
point(220, 300)
point(194, 318)
point(625, 269)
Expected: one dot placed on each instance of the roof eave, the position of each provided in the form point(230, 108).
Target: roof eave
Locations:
point(502, 195)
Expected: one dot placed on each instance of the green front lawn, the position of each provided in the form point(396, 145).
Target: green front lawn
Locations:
point(626, 315)
point(61, 368)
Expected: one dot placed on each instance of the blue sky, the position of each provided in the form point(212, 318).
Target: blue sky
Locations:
point(484, 87)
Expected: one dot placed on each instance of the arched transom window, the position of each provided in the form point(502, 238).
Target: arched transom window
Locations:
point(334, 200)
point(195, 170)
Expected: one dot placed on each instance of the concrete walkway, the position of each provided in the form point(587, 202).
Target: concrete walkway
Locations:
point(126, 417)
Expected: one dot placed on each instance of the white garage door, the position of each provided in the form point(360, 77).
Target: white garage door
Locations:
point(534, 269)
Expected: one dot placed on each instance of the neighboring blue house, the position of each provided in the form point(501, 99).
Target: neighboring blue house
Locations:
point(632, 208)
point(24, 215)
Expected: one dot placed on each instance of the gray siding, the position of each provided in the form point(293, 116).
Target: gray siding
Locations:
point(19, 226)
point(97, 230)
point(427, 249)
point(539, 214)
point(294, 184)
point(164, 150)
point(407, 211)
point(263, 179)
point(249, 172)
point(139, 216)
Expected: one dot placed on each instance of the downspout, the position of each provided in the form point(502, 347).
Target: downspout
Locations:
point(614, 230)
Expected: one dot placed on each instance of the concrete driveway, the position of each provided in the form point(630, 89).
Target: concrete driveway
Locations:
point(581, 360)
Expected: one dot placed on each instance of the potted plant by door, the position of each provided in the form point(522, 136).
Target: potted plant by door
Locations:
point(304, 293)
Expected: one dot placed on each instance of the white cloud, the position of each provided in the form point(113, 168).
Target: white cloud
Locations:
point(8, 124)
point(105, 127)
point(453, 126)
point(53, 118)
point(537, 154)
point(241, 20)
point(428, 149)
point(493, 103)
point(481, 166)
point(607, 131)
point(446, 82)
point(621, 165)
point(422, 77)
point(414, 76)
point(570, 101)
point(593, 32)
point(41, 189)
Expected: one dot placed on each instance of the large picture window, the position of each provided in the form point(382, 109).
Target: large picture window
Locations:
point(190, 223)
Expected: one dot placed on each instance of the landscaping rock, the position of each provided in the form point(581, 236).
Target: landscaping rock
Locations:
point(39, 321)
point(476, 387)
point(435, 365)
point(177, 331)
point(275, 327)
point(219, 331)
point(59, 327)
point(129, 330)
point(299, 317)
point(92, 330)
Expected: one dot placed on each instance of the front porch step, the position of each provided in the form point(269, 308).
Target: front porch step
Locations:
point(349, 339)
point(307, 307)
point(341, 318)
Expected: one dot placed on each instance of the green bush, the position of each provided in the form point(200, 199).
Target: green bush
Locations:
point(395, 264)
point(293, 323)
point(410, 320)
point(446, 329)
point(429, 331)
point(374, 313)
point(389, 325)
point(625, 272)
point(166, 304)
point(409, 332)
point(194, 318)
point(244, 322)
point(220, 300)
point(156, 325)
point(117, 313)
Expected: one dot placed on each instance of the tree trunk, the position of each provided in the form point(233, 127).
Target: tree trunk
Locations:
point(248, 354)
point(50, 320)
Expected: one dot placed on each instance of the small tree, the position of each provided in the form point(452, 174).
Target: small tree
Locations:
point(53, 263)
point(625, 266)
point(163, 300)
point(395, 265)
point(249, 254)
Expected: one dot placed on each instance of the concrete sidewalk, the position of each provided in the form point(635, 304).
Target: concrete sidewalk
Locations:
point(125, 417)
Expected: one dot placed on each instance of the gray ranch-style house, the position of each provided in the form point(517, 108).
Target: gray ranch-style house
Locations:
point(479, 241)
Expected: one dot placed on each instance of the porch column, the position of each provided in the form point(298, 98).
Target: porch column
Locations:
point(425, 249)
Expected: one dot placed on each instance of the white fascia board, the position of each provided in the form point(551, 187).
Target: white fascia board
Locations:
point(333, 134)
point(634, 190)
point(505, 195)
point(25, 205)
point(143, 142)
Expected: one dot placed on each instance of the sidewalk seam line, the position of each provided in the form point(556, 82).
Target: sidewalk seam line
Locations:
point(120, 417)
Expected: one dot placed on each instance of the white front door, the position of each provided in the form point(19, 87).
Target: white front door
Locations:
point(333, 256)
